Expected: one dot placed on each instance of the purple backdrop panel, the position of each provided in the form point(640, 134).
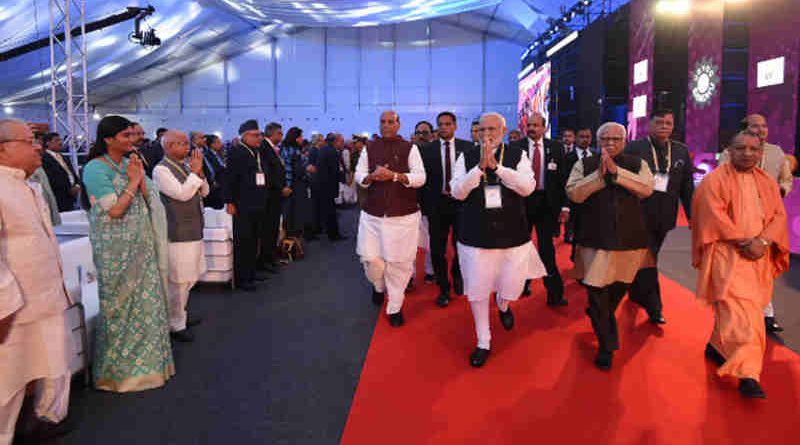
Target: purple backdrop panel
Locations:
point(792, 203)
point(774, 33)
point(705, 64)
point(642, 47)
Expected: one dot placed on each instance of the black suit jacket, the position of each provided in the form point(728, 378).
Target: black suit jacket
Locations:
point(572, 158)
point(276, 173)
point(661, 209)
point(239, 184)
point(430, 194)
point(555, 181)
point(329, 173)
point(152, 153)
point(59, 181)
point(214, 172)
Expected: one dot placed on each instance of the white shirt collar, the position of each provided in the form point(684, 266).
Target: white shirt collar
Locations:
point(452, 141)
point(540, 141)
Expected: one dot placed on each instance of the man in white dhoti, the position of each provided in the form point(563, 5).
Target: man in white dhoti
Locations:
point(182, 188)
point(388, 228)
point(494, 242)
point(35, 346)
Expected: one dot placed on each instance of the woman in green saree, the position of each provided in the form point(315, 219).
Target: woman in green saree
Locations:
point(128, 235)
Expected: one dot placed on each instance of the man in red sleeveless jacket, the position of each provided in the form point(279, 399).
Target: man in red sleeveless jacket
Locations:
point(390, 168)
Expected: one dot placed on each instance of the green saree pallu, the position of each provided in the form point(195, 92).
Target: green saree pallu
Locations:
point(132, 345)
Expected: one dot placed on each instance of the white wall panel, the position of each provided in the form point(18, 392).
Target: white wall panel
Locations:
point(457, 65)
point(501, 76)
point(413, 63)
point(205, 88)
point(250, 78)
point(301, 69)
point(377, 69)
point(343, 66)
point(161, 97)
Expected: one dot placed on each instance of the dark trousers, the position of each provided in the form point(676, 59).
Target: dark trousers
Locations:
point(270, 230)
point(545, 220)
point(440, 221)
point(247, 227)
point(645, 289)
point(603, 303)
point(326, 211)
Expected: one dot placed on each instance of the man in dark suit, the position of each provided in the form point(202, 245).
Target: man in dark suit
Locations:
point(276, 191)
point(326, 184)
point(583, 149)
point(547, 205)
point(672, 168)
point(214, 171)
point(245, 192)
point(438, 204)
point(63, 180)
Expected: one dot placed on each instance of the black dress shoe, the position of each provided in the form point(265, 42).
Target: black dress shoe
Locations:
point(751, 389)
point(247, 286)
point(193, 321)
point(396, 320)
point(526, 291)
point(377, 297)
point(712, 354)
point(772, 324)
point(507, 319)
point(429, 278)
point(657, 318)
point(410, 286)
point(604, 359)
point(458, 286)
point(260, 276)
point(271, 269)
point(478, 357)
point(183, 336)
point(45, 432)
point(443, 300)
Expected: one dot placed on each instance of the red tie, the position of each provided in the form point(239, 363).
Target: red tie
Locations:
point(537, 165)
point(447, 167)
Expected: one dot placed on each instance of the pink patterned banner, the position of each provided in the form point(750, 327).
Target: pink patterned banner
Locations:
point(642, 48)
point(703, 95)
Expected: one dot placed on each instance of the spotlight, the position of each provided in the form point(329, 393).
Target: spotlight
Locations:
point(144, 38)
point(673, 7)
point(96, 116)
point(8, 109)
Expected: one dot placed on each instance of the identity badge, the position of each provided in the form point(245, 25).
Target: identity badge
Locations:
point(261, 179)
point(661, 182)
point(493, 197)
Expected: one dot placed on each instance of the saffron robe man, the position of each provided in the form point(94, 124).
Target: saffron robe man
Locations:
point(182, 190)
point(35, 343)
point(495, 251)
point(740, 243)
point(390, 168)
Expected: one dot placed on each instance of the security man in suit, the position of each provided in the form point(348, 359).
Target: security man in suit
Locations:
point(438, 203)
point(66, 185)
point(245, 192)
point(547, 206)
point(276, 191)
point(672, 168)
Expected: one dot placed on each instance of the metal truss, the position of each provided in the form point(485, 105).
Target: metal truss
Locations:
point(69, 98)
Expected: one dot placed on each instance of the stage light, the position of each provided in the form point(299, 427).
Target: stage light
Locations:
point(96, 116)
point(562, 43)
point(8, 109)
point(673, 7)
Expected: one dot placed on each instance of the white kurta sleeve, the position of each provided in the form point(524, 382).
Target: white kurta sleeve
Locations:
point(640, 184)
point(204, 188)
point(362, 168)
point(416, 177)
point(170, 186)
point(10, 293)
point(521, 179)
point(580, 187)
point(463, 183)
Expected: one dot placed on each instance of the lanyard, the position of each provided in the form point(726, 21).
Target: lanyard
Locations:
point(655, 156)
point(255, 155)
point(499, 162)
point(180, 168)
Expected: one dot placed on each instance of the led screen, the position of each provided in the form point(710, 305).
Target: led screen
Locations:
point(534, 95)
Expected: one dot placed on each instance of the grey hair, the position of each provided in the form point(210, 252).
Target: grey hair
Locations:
point(271, 128)
point(7, 126)
point(170, 136)
point(493, 114)
point(606, 126)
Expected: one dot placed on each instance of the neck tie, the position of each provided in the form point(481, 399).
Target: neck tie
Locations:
point(447, 167)
point(537, 165)
point(583, 152)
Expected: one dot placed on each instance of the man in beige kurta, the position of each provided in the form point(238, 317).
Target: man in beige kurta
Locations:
point(35, 345)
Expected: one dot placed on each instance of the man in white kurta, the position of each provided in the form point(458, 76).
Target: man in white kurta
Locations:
point(495, 251)
point(390, 168)
point(35, 346)
point(182, 188)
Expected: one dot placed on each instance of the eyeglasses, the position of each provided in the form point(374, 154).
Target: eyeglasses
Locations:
point(34, 142)
point(606, 139)
point(421, 132)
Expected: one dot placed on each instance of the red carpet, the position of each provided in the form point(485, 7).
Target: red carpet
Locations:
point(540, 386)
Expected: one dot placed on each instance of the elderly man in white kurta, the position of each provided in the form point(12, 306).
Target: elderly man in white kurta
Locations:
point(390, 168)
point(35, 346)
point(182, 187)
point(495, 251)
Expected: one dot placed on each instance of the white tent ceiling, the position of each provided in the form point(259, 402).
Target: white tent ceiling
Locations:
point(198, 33)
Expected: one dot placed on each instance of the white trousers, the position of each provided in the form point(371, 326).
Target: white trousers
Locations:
point(480, 314)
point(390, 277)
point(178, 299)
point(51, 402)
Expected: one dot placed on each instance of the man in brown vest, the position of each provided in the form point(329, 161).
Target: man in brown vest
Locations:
point(182, 188)
point(390, 168)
